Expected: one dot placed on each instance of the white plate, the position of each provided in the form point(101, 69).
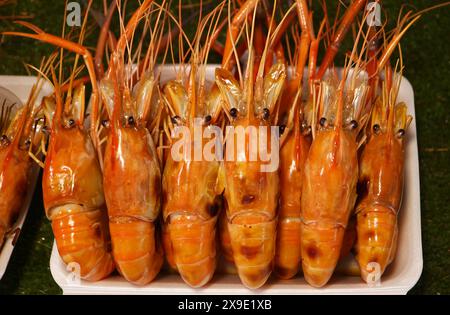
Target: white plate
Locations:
point(399, 278)
point(19, 86)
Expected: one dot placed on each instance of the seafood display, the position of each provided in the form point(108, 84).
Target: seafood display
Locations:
point(277, 164)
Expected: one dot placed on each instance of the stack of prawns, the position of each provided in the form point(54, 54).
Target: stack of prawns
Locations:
point(119, 199)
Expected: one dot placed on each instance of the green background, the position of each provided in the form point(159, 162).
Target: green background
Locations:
point(426, 49)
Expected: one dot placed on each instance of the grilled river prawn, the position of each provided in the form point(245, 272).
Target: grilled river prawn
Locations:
point(251, 194)
point(251, 186)
point(381, 181)
point(132, 172)
point(17, 140)
point(191, 191)
point(381, 167)
point(72, 181)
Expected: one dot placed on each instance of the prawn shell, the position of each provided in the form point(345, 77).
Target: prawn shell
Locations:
point(137, 253)
point(168, 250)
point(14, 173)
point(254, 251)
point(82, 237)
point(71, 172)
point(74, 201)
point(190, 209)
point(132, 177)
point(224, 238)
point(293, 156)
point(377, 237)
point(132, 180)
point(288, 254)
point(328, 198)
point(193, 244)
point(381, 182)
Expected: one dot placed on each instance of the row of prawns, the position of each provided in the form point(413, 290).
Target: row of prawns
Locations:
point(113, 179)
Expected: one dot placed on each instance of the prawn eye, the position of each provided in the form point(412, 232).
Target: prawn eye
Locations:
point(4, 140)
point(233, 112)
point(376, 128)
point(323, 121)
point(304, 128)
point(105, 123)
point(266, 113)
point(400, 133)
point(175, 119)
point(354, 124)
point(45, 130)
point(130, 121)
point(27, 143)
point(282, 129)
point(70, 123)
point(208, 119)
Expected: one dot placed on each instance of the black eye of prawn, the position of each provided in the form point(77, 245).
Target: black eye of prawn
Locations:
point(130, 121)
point(400, 133)
point(233, 112)
point(354, 124)
point(70, 123)
point(175, 119)
point(4, 139)
point(45, 130)
point(376, 128)
point(266, 113)
point(323, 121)
point(208, 119)
point(27, 143)
point(105, 123)
point(282, 129)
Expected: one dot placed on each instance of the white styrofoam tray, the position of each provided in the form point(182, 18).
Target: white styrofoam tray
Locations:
point(20, 86)
point(399, 278)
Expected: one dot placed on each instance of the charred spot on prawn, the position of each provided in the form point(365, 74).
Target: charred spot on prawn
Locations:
point(312, 251)
point(250, 251)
